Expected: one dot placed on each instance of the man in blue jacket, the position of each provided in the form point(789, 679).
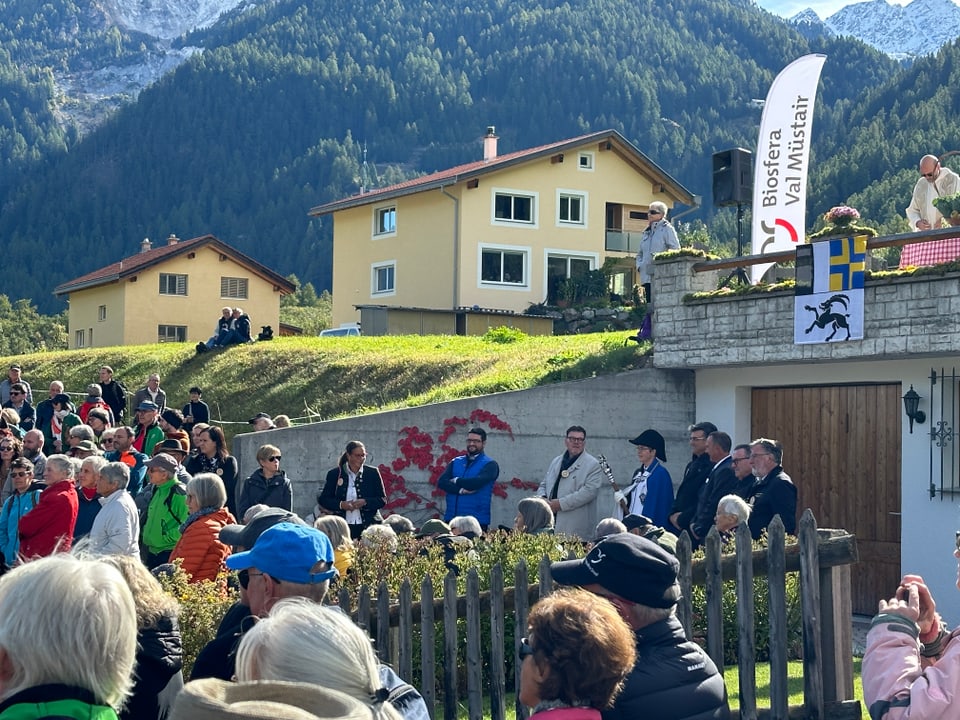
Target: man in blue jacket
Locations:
point(468, 481)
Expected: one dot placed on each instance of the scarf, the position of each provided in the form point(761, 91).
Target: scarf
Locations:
point(209, 510)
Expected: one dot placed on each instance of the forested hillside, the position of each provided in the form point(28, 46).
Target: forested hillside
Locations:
point(272, 118)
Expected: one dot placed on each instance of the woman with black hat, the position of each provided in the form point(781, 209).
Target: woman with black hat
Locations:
point(651, 490)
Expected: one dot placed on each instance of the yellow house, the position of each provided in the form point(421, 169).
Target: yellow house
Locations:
point(171, 293)
point(498, 233)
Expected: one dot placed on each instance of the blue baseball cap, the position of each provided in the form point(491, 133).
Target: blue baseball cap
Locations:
point(289, 553)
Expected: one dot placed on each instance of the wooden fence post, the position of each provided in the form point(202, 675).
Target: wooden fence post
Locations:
point(450, 647)
point(746, 625)
point(777, 595)
point(498, 685)
point(521, 609)
point(428, 659)
point(474, 648)
point(714, 594)
point(810, 599)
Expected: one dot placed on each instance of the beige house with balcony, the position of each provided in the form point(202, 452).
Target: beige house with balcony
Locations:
point(496, 235)
point(171, 293)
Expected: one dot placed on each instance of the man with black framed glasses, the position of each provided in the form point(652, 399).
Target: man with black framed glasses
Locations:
point(571, 486)
point(774, 492)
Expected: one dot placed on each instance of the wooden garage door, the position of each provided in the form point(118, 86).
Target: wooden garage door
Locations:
point(842, 449)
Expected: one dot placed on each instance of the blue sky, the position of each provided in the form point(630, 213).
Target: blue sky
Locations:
point(823, 8)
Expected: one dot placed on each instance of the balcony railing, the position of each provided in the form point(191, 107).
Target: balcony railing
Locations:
point(620, 241)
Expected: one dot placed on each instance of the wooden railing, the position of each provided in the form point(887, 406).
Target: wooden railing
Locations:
point(822, 559)
point(876, 243)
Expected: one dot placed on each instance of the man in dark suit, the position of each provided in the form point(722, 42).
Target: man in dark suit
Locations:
point(695, 474)
point(774, 492)
point(721, 481)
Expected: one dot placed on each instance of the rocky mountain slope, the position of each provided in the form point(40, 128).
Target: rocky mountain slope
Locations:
point(904, 32)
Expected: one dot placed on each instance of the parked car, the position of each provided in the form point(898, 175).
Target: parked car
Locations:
point(342, 331)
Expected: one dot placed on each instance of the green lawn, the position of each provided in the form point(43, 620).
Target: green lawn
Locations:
point(795, 684)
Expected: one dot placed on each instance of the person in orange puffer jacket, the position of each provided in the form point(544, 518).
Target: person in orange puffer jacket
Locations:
point(199, 549)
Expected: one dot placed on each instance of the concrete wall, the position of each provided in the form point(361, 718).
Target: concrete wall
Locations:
point(613, 409)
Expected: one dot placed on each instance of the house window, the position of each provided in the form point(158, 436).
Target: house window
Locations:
point(102, 313)
point(231, 287)
point(503, 266)
point(171, 284)
point(385, 220)
point(585, 161)
point(571, 208)
point(171, 333)
point(383, 279)
point(80, 338)
point(561, 267)
point(514, 207)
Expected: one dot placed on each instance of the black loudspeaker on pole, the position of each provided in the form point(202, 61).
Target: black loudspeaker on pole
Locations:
point(732, 177)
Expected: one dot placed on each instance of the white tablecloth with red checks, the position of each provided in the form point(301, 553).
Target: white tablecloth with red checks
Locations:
point(930, 253)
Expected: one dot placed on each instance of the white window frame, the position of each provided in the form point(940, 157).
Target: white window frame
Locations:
point(377, 214)
point(102, 313)
point(180, 280)
point(237, 288)
point(586, 161)
point(593, 258)
point(165, 337)
point(534, 198)
point(579, 195)
point(374, 269)
point(525, 251)
point(80, 338)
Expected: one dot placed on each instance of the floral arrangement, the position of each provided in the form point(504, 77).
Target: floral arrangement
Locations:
point(840, 220)
point(841, 215)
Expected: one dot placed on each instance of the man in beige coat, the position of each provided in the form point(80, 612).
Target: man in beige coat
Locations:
point(571, 485)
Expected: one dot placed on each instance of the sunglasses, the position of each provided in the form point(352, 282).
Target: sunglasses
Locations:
point(16, 392)
point(654, 212)
point(6, 448)
point(275, 458)
point(23, 473)
point(525, 650)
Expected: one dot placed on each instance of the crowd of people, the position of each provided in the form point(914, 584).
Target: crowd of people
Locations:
point(134, 497)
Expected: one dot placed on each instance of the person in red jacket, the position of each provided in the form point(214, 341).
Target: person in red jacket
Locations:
point(199, 549)
point(48, 528)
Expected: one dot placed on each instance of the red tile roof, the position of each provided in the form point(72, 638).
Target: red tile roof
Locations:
point(143, 260)
point(481, 167)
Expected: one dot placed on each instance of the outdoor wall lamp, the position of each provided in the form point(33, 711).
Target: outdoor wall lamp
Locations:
point(911, 403)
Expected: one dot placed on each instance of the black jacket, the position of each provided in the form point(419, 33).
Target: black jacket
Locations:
point(672, 679)
point(159, 660)
point(688, 493)
point(773, 495)
point(371, 489)
point(114, 394)
point(721, 481)
point(276, 492)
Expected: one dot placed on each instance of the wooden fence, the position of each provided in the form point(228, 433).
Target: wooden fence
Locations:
point(821, 557)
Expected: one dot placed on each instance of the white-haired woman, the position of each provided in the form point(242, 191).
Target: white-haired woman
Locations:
point(732, 510)
point(466, 526)
point(658, 236)
point(199, 547)
point(53, 668)
point(301, 641)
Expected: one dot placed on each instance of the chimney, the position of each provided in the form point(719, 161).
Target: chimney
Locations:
point(173, 239)
point(145, 245)
point(490, 144)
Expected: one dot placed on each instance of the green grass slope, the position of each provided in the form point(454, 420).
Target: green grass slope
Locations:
point(315, 378)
